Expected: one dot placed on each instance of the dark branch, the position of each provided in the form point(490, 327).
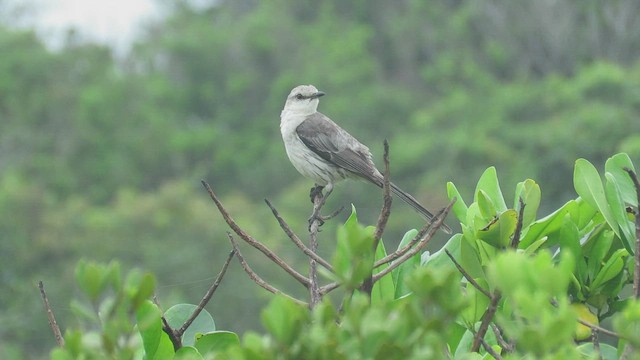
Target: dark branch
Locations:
point(386, 197)
point(515, 242)
point(207, 296)
point(636, 271)
point(367, 286)
point(296, 240)
point(173, 335)
point(253, 242)
point(467, 275)
point(398, 253)
point(487, 317)
point(421, 244)
point(253, 276)
point(52, 319)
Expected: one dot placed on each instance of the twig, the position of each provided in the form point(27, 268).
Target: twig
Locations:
point(421, 244)
point(467, 276)
point(599, 329)
point(314, 288)
point(636, 271)
point(253, 242)
point(387, 199)
point(398, 253)
point(515, 241)
point(296, 240)
point(176, 340)
point(207, 295)
point(257, 279)
point(487, 317)
point(501, 341)
point(52, 319)
point(490, 350)
point(367, 285)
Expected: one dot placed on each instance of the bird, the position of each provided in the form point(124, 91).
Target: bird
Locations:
point(326, 153)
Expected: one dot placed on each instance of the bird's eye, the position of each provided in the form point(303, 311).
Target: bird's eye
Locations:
point(299, 97)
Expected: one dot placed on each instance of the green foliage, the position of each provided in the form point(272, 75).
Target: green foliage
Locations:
point(567, 264)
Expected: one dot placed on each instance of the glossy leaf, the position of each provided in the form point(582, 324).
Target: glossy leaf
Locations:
point(488, 183)
point(615, 165)
point(179, 313)
point(619, 213)
point(217, 341)
point(588, 185)
point(459, 208)
point(498, 233)
point(156, 342)
point(530, 193)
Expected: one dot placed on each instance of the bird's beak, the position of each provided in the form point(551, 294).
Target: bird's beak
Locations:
point(317, 95)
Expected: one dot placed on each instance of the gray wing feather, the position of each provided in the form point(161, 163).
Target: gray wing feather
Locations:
point(335, 145)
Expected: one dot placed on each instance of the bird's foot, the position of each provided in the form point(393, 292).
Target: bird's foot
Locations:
point(316, 191)
point(321, 219)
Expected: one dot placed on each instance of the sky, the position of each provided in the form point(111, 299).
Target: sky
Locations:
point(112, 22)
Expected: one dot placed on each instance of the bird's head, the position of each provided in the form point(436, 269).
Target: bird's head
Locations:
point(303, 99)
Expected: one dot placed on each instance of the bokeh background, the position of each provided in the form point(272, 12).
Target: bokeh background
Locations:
point(103, 145)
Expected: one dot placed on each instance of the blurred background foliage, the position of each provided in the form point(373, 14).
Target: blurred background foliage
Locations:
point(101, 157)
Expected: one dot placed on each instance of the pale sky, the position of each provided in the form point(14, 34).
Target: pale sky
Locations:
point(113, 22)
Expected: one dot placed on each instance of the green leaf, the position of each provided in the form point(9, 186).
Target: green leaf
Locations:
point(188, 353)
point(588, 185)
point(145, 289)
point(384, 289)
point(547, 225)
point(283, 318)
point(615, 166)
point(530, 193)
point(157, 344)
point(604, 351)
point(405, 269)
point(179, 313)
point(485, 205)
point(618, 210)
point(217, 341)
point(90, 277)
point(459, 207)
point(353, 257)
point(477, 302)
point(498, 233)
point(611, 269)
point(489, 184)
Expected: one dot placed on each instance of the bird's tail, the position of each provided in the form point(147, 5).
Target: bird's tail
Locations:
point(416, 205)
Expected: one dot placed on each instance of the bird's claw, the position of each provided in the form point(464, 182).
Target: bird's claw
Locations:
point(315, 192)
point(315, 217)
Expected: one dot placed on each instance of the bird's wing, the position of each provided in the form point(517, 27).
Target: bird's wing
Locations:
point(335, 145)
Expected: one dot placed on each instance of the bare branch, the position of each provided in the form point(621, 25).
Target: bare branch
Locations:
point(467, 275)
point(296, 240)
point(314, 288)
point(421, 244)
point(398, 253)
point(387, 199)
point(173, 336)
point(487, 318)
point(253, 242)
point(207, 295)
point(515, 242)
point(599, 329)
point(490, 350)
point(367, 285)
point(501, 341)
point(52, 319)
point(257, 279)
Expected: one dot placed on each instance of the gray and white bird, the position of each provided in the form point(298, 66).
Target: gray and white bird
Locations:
point(324, 152)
